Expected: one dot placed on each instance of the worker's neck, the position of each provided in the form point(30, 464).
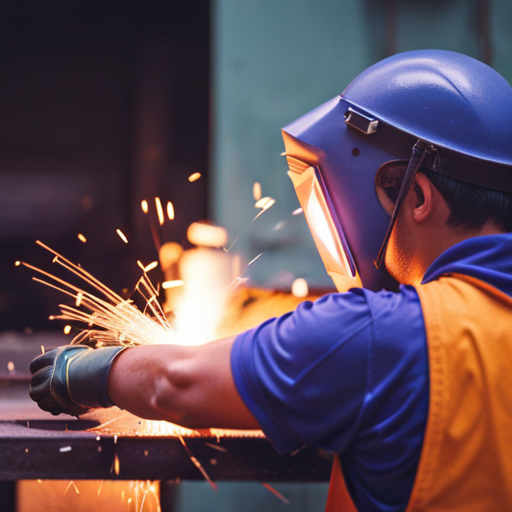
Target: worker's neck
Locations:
point(432, 243)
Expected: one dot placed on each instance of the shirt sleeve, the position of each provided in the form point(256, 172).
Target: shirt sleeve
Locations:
point(303, 375)
point(348, 370)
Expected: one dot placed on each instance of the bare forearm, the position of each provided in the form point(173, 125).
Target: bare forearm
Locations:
point(190, 386)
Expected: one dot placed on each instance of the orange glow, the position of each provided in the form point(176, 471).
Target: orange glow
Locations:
point(121, 236)
point(159, 210)
point(144, 206)
point(116, 464)
point(194, 177)
point(170, 210)
point(82, 238)
point(207, 235)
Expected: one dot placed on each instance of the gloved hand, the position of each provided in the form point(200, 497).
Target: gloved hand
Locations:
point(72, 379)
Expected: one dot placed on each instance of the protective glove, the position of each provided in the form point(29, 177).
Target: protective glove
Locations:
point(72, 379)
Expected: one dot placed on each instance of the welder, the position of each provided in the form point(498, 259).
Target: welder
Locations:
point(408, 173)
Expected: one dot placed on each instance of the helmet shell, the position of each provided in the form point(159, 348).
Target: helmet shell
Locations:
point(443, 97)
point(448, 99)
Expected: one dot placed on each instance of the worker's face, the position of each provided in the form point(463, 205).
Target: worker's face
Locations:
point(398, 255)
point(401, 255)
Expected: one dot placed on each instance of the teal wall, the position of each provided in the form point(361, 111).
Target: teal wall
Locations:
point(274, 60)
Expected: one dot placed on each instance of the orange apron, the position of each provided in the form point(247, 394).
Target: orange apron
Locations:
point(466, 459)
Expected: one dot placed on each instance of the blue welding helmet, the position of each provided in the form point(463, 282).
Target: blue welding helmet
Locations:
point(433, 109)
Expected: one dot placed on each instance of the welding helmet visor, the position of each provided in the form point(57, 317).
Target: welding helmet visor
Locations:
point(332, 168)
point(324, 225)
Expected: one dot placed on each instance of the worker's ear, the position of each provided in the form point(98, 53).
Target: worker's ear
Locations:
point(426, 195)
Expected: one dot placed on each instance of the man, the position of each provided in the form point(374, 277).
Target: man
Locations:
point(408, 388)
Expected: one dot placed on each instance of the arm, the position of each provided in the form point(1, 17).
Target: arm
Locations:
point(190, 386)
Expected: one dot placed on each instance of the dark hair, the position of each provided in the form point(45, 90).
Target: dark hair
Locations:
point(471, 206)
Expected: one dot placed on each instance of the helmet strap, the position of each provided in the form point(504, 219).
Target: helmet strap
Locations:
point(419, 152)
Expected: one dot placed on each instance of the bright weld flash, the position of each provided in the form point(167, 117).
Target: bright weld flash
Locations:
point(121, 236)
point(170, 210)
point(159, 210)
point(194, 177)
point(172, 284)
point(144, 206)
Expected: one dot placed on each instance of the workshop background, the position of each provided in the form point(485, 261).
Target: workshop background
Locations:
point(105, 104)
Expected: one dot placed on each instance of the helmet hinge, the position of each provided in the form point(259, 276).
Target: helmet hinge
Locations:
point(360, 122)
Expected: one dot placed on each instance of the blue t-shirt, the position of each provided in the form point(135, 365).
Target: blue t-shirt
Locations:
point(349, 373)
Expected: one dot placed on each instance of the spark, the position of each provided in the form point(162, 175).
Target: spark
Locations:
point(254, 259)
point(42, 349)
point(172, 284)
point(82, 238)
point(256, 191)
point(121, 236)
point(71, 483)
point(10, 366)
point(298, 211)
point(275, 492)
point(79, 297)
point(39, 481)
point(170, 210)
point(67, 329)
point(116, 321)
point(280, 225)
point(265, 203)
point(144, 206)
point(116, 465)
point(217, 447)
point(17, 263)
point(159, 210)
point(101, 486)
point(151, 266)
point(197, 464)
point(65, 449)
point(239, 280)
point(194, 177)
